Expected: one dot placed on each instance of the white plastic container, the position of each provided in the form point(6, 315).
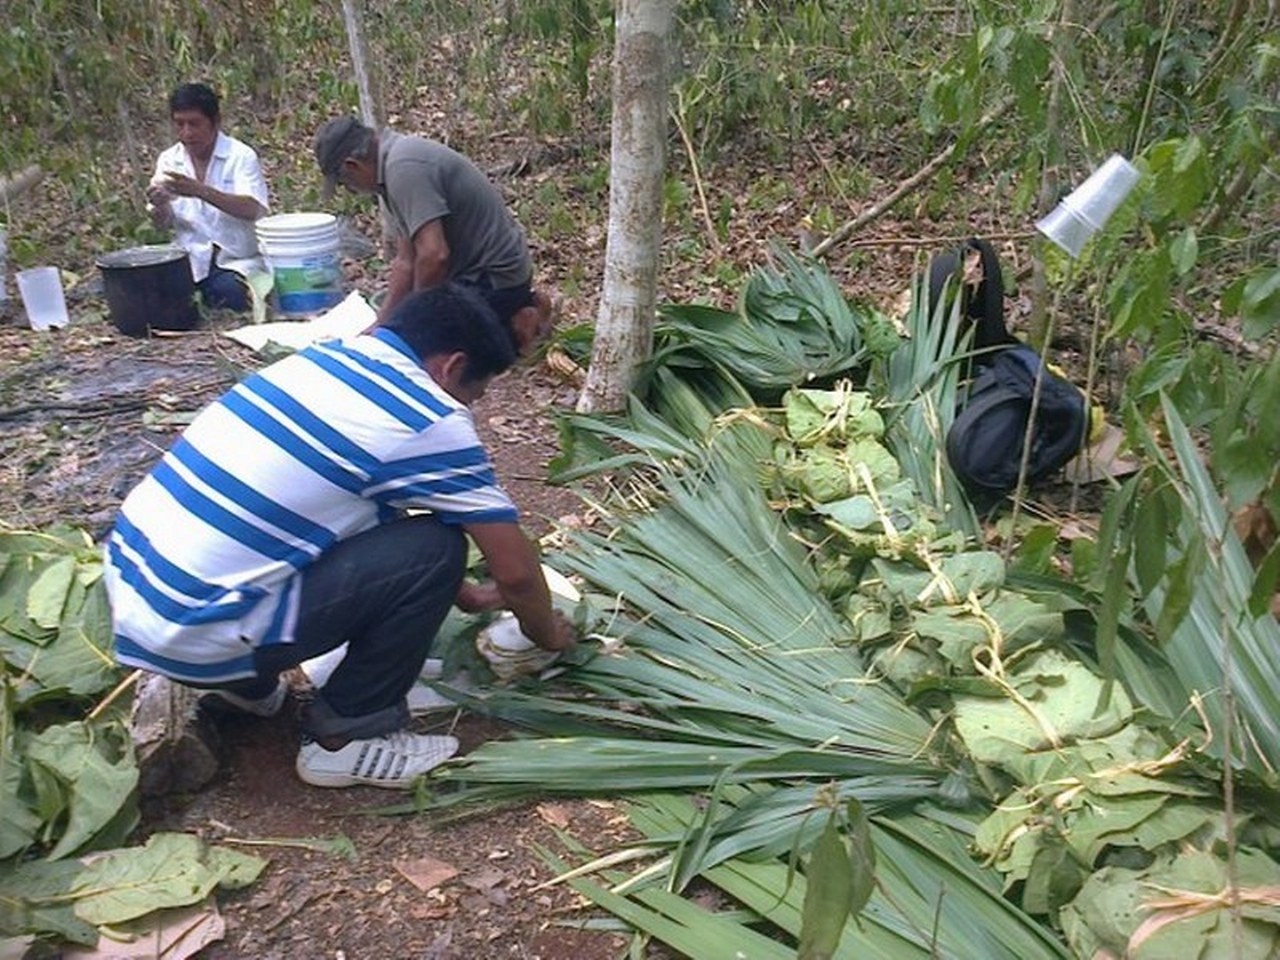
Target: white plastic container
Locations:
point(508, 651)
point(303, 252)
point(42, 297)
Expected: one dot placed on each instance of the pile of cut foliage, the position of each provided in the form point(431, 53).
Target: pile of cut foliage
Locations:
point(823, 696)
point(68, 777)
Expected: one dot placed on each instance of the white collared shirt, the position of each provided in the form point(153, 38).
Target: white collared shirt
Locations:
point(199, 226)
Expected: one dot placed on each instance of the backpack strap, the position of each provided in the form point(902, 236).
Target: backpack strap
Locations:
point(986, 305)
point(942, 267)
point(981, 306)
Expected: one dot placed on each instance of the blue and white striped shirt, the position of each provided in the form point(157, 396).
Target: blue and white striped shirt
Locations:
point(203, 562)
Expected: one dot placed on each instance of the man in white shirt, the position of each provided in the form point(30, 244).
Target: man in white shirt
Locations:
point(208, 189)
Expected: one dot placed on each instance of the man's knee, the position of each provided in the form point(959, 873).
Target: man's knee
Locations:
point(224, 290)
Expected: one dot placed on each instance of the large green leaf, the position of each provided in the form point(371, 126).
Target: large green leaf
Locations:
point(828, 897)
point(48, 594)
point(35, 898)
point(19, 824)
point(171, 870)
point(1055, 700)
point(79, 659)
point(96, 772)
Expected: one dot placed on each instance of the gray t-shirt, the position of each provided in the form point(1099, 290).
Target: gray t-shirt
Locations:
point(423, 180)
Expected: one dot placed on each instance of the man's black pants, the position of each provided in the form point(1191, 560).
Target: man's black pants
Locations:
point(384, 593)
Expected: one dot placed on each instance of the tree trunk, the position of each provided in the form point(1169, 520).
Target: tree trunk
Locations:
point(177, 746)
point(370, 108)
point(1050, 172)
point(371, 114)
point(624, 324)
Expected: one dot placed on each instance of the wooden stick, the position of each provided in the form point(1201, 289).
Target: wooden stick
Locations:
point(115, 694)
point(939, 241)
point(697, 182)
point(875, 211)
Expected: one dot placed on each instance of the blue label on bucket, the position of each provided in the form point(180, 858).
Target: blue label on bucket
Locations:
point(309, 302)
point(307, 284)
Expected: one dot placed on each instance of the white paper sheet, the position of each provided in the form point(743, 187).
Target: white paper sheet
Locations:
point(347, 319)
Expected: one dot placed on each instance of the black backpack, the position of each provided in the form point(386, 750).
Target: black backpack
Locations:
point(985, 441)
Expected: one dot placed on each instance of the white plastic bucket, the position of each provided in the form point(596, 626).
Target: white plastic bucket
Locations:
point(302, 250)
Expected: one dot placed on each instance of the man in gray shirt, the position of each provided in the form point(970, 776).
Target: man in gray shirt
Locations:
point(450, 221)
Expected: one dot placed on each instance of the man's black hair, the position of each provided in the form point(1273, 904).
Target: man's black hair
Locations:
point(195, 96)
point(451, 319)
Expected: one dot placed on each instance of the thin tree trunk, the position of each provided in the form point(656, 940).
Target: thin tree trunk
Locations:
point(1061, 40)
point(370, 105)
point(371, 114)
point(624, 324)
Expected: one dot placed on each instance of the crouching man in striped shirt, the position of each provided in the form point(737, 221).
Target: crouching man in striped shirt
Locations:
point(275, 530)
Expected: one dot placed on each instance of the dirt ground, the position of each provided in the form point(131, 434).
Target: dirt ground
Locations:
point(85, 413)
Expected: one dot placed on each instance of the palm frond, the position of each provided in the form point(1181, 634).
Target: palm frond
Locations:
point(793, 326)
point(1225, 658)
point(932, 900)
point(919, 383)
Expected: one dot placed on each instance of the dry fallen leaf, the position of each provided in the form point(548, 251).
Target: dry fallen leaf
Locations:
point(422, 911)
point(554, 814)
point(426, 873)
point(486, 879)
point(174, 934)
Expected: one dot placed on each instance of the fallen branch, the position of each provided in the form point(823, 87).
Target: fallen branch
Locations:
point(875, 211)
point(80, 411)
point(939, 241)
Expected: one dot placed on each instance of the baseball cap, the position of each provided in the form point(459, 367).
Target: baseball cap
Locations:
point(336, 140)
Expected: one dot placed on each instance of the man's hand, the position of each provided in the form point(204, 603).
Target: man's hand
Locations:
point(478, 597)
point(564, 635)
point(160, 205)
point(533, 324)
point(185, 186)
point(514, 566)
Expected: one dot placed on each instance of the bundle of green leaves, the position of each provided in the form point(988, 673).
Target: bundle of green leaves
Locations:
point(68, 776)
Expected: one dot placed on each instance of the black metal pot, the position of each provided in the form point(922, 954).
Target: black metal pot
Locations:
point(149, 288)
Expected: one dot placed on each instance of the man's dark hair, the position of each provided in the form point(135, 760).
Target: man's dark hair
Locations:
point(451, 319)
point(195, 96)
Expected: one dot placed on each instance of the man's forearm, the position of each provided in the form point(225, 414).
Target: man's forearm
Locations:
point(240, 206)
point(399, 286)
point(428, 273)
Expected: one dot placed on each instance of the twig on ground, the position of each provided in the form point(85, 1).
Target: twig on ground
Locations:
point(697, 181)
point(119, 689)
point(876, 210)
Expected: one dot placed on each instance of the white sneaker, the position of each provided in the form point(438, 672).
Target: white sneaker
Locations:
point(392, 761)
point(267, 706)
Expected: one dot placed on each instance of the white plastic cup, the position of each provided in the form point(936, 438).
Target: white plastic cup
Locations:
point(41, 292)
point(1066, 228)
point(1085, 210)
